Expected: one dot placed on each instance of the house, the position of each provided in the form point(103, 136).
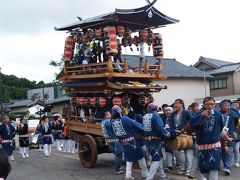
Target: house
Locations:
point(59, 105)
point(26, 106)
point(187, 83)
point(226, 77)
point(4, 107)
point(46, 94)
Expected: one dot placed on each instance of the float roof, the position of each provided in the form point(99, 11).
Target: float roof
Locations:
point(144, 17)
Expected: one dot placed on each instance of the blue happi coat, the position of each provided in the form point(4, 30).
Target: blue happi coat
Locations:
point(107, 129)
point(38, 131)
point(57, 129)
point(208, 130)
point(166, 119)
point(139, 119)
point(7, 132)
point(180, 123)
point(124, 128)
point(115, 147)
point(238, 115)
point(46, 131)
point(23, 141)
point(230, 120)
point(153, 126)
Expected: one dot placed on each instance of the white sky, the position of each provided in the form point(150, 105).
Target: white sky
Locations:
point(28, 41)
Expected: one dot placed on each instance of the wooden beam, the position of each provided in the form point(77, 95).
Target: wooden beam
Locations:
point(88, 128)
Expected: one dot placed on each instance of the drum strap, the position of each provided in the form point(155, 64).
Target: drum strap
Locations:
point(149, 138)
point(227, 120)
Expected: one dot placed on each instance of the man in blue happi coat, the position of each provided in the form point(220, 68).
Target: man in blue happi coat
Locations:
point(208, 125)
point(142, 142)
point(7, 133)
point(235, 106)
point(230, 119)
point(57, 130)
point(125, 129)
point(154, 130)
point(22, 130)
point(113, 142)
point(46, 131)
point(178, 121)
point(167, 110)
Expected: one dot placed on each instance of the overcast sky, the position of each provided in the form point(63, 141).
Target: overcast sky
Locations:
point(28, 41)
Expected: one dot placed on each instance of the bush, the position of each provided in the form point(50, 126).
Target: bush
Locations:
point(31, 117)
point(12, 117)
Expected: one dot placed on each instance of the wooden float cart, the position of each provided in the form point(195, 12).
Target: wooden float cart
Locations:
point(106, 76)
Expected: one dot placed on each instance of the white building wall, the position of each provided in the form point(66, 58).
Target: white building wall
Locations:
point(34, 109)
point(39, 93)
point(187, 89)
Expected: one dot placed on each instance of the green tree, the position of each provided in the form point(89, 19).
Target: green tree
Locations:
point(16, 88)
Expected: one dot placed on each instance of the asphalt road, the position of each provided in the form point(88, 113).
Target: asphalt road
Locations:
point(64, 166)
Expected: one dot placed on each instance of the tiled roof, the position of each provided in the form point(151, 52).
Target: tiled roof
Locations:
point(60, 99)
point(171, 67)
point(224, 69)
point(24, 102)
point(216, 62)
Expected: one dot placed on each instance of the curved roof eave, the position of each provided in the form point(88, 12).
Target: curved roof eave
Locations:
point(161, 19)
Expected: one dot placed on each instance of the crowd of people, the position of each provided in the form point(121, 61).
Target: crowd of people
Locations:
point(47, 133)
point(139, 138)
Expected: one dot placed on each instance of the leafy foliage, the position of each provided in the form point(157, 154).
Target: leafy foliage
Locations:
point(16, 88)
point(31, 117)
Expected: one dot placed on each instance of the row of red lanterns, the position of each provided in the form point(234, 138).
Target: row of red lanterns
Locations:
point(102, 101)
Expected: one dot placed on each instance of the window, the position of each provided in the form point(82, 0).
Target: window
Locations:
point(218, 84)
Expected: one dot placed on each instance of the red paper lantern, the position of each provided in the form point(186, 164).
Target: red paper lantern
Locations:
point(69, 48)
point(111, 40)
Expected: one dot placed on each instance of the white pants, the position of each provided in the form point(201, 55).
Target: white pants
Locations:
point(236, 152)
point(24, 150)
point(169, 158)
point(194, 163)
point(188, 159)
point(143, 166)
point(153, 169)
point(47, 148)
point(40, 147)
point(59, 144)
point(212, 175)
point(161, 170)
point(179, 158)
point(72, 146)
point(69, 146)
point(147, 155)
point(66, 145)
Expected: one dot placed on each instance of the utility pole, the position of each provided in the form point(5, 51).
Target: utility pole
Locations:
point(204, 79)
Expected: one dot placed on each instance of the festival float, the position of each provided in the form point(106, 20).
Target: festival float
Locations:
point(96, 77)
